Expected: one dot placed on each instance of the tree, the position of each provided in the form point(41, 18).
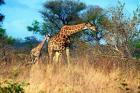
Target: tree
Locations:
point(62, 11)
point(1, 2)
point(5, 41)
point(136, 46)
point(97, 16)
point(123, 29)
point(4, 38)
point(2, 31)
point(31, 41)
point(1, 15)
point(57, 13)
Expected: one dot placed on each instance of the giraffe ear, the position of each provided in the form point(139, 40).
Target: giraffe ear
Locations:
point(91, 23)
point(88, 24)
point(49, 35)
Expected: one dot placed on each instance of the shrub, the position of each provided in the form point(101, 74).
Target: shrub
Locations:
point(12, 87)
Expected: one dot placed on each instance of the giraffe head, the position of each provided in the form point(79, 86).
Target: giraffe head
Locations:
point(90, 26)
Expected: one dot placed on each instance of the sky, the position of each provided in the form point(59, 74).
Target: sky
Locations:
point(21, 13)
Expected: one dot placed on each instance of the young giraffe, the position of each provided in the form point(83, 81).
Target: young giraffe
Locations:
point(36, 52)
point(61, 41)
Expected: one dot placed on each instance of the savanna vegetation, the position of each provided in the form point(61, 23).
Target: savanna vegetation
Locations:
point(105, 61)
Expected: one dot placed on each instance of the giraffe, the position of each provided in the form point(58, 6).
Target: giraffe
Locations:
point(61, 41)
point(36, 52)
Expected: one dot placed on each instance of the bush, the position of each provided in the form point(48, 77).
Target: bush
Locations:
point(12, 87)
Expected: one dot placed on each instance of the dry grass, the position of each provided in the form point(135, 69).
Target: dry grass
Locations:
point(84, 77)
point(85, 74)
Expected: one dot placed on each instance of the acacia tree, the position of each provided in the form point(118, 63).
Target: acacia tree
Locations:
point(64, 11)
point(57, 13)
point(122, 29)
point(97, 16)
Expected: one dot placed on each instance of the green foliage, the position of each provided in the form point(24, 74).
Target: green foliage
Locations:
point(57, 13)
point(1, 15)
point(35, 27)
point(12, 87)
point(137, 44)
point(2, 2)
point(38, 28)
point(94, 13)
point(2, 33)
point(98, 16)
point(136, 48)
point(64, 10)
point(31, 41)
point(10, 40)
point(4, 38)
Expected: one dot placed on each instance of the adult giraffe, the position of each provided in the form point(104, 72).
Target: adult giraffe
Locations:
point(61, 41)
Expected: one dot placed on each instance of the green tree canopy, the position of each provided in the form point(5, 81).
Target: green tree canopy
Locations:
point(57, 13)
point(1, 15)
point(1, 2)
point(4, 38)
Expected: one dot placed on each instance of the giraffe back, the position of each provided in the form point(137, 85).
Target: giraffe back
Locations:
point(59, 42)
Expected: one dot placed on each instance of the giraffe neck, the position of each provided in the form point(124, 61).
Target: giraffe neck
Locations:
point(69, 30)
point(42, 43)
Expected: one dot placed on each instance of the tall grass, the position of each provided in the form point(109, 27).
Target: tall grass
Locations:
point(82, 76)
point(87, 73)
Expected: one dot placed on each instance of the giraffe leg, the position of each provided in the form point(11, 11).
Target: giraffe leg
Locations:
point(68, 55)
point(50, 54)
point(36, 60)
point(57, 57)
point(50, 57)
point(33, 59)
